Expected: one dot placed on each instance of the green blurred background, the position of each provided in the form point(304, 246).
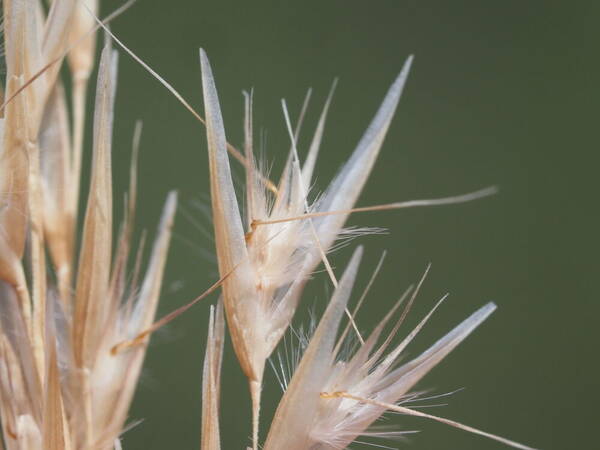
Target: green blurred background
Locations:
point(501, 93)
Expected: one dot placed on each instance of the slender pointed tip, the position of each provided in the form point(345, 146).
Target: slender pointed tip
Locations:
point(171, 202)
point(204, 63)
point(405, 70)
point(492, 190)
point(358, 252)
point(349, 274)
point(491, 307)
point(403, 75)
point(484, 312)
point(203, 58)
point(332, 89)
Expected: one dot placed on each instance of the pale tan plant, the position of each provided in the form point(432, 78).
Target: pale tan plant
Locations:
point(211, 379)
point(61, 384)
point(342, 395)
point(74, 329)
point(271, 256)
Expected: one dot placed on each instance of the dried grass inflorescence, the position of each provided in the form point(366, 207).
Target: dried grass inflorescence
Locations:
point(329, 401)
point(61, 387)
point(74, 322)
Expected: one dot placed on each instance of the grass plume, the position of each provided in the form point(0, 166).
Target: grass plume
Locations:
point(60, 385)
point(75, 320)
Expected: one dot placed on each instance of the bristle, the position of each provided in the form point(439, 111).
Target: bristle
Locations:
point(315, 145)
point(412, 412)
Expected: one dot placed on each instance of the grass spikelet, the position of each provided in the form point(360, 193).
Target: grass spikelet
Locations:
point(276, 260)
point(95, 256)
point(341, 396)
point(284, 237)
point(61, 387)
